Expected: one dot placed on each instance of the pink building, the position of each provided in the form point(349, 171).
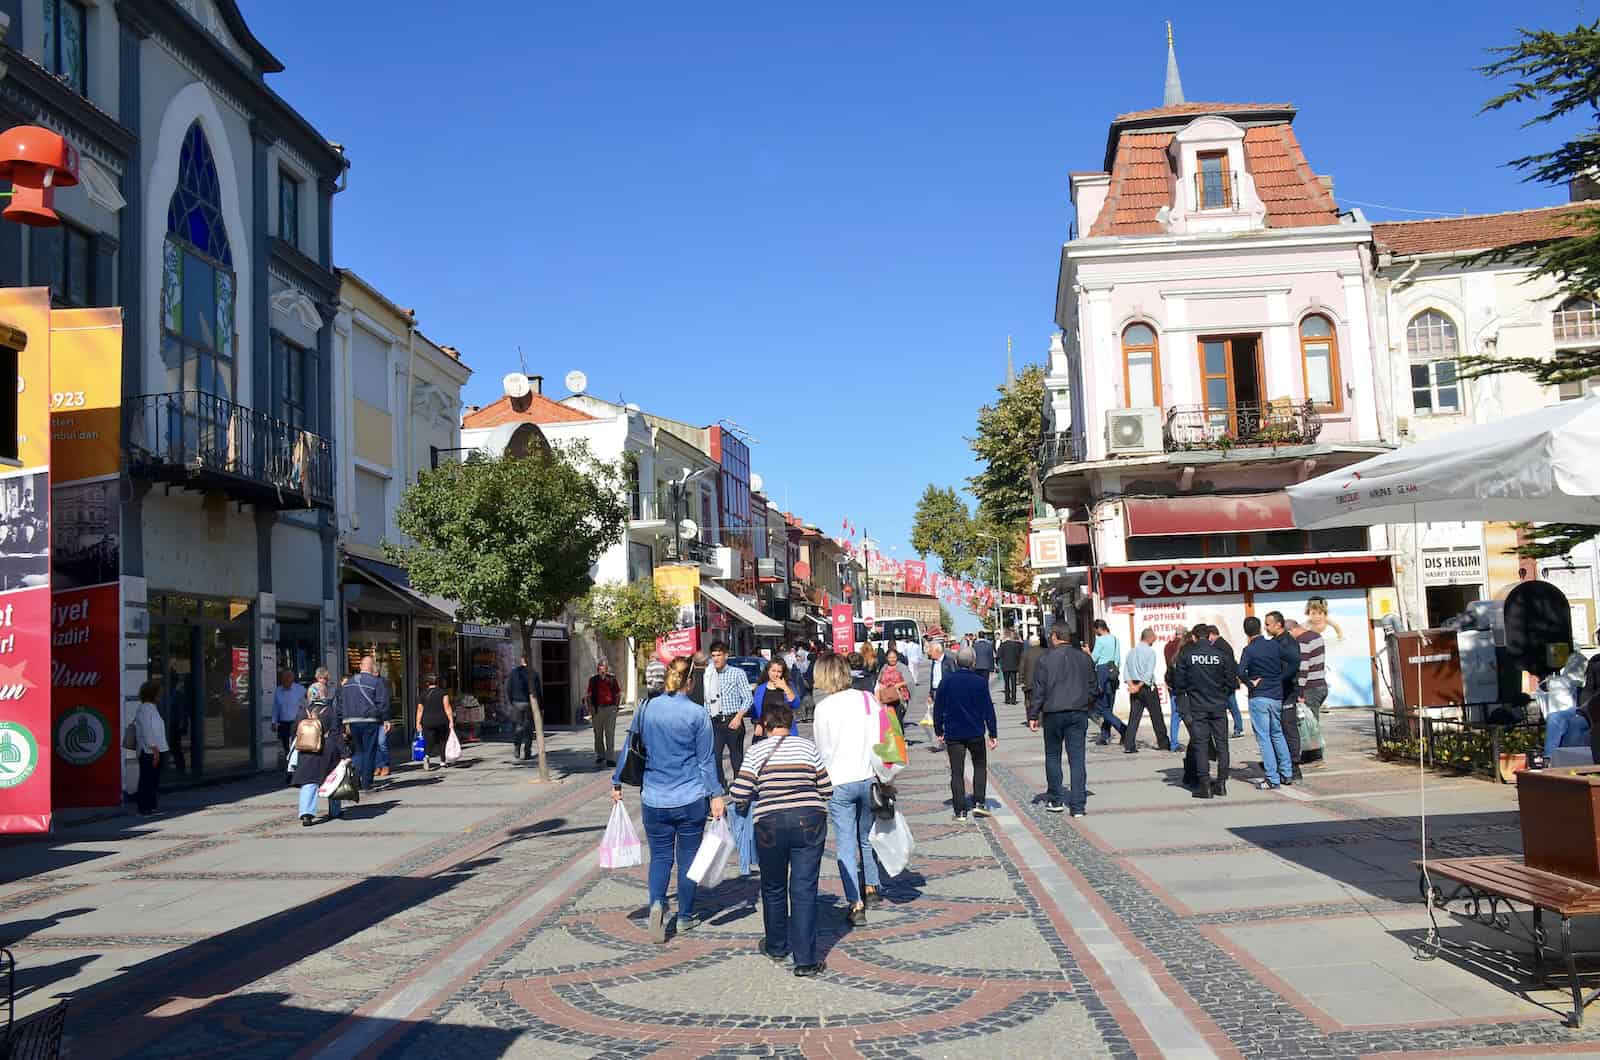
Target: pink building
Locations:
point(1216, 345)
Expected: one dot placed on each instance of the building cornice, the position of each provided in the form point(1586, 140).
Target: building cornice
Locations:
point(303, 271)
point(94, 132)
point(1102, 247)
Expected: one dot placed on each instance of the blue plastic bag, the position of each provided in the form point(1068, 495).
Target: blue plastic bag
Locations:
point(744, 836)
point(419, 749)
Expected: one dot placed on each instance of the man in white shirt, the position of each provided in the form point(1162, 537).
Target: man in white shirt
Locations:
point(287, 699)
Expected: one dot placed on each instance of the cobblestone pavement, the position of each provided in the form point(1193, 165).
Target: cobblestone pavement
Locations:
point(465, 915)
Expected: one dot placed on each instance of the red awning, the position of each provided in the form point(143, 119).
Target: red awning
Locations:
point(1208, 515)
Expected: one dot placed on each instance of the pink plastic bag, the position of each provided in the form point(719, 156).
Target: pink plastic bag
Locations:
point(620, 848)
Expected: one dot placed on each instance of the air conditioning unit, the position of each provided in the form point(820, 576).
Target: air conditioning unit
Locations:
point(1133, 432)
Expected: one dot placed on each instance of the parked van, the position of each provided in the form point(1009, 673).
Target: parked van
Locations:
point(905, 632)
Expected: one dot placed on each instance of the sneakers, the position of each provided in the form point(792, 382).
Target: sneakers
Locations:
point(687, 924)
point(1078, 813)
point(961, 818)
point(1054, 807)
point(305, 819)
point(809, 971)
point(658, 923)
point(981, 811)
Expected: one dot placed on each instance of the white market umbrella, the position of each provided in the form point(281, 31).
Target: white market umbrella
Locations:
point(1542, 467)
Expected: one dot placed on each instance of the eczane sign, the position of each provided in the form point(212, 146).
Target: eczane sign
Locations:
point(1310, 576)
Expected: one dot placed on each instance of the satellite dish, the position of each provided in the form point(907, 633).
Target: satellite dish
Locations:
point(516, 385)
point(757, 482)
point(688, 530)
point(577, 382)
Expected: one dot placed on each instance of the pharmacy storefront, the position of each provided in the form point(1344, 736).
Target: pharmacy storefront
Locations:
point(1169, 597)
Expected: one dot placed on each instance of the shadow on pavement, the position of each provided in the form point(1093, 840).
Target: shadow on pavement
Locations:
point(17, 930)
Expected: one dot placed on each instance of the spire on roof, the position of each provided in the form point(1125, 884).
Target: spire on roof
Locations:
point(1173, 93)
point(1011, 368)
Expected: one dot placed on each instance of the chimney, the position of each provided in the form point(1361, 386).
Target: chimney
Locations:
point(1584, 187)
point(1326, 180)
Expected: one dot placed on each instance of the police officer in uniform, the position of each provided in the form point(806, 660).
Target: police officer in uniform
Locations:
point(1206, 676)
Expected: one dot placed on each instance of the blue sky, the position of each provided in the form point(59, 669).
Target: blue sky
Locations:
point(821, 222)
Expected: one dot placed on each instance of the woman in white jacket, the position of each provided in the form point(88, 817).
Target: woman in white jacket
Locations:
point(845, 729)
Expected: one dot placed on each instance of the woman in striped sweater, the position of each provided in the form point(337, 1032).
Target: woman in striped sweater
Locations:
point(789, 783)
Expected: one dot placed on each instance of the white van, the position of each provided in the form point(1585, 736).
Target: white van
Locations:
point(905, 632)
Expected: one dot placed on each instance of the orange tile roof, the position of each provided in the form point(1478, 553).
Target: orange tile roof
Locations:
point(1179, 110)
point(540, 410)
point(1141, 180)
point(1477, 232)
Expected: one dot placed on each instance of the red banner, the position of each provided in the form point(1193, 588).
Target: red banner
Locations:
point(87, 700)
point(916, 575)
point(680, 642)
point(844, 628)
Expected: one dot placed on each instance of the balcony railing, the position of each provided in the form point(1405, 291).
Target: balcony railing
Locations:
point(700, 552)
point(1061, 447)
point(201, 441)
point(1217, 190)
point(1200, 427)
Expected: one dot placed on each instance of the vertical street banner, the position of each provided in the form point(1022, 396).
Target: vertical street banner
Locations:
point(86, 556)
point(844, 628)
point(25, 758)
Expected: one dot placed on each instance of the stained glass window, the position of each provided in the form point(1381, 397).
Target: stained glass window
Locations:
point(66, 43)
point(197, 281)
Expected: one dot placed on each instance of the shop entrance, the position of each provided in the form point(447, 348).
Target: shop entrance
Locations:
point(383, 636)
point(201, 649)
point(555, 673)
point(1448, 601)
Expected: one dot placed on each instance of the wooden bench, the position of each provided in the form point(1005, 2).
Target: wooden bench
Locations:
point(1486, 885)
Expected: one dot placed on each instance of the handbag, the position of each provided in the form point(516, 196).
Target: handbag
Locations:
point(130, 737)
point(348, 789)
point(635, 757)
point(308, 734)
point(882, 798)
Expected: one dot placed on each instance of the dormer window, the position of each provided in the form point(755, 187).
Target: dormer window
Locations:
point(1213, 186)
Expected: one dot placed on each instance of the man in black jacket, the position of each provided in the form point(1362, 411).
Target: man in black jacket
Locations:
point(1289, 652)
point(1010, 657)
point(1207, 675)
point(525, 693)
point(1064, 688)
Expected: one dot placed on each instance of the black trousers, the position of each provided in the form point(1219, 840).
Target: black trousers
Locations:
point(522, 730)
point(1290, 715)
point(1208, 741)
point(958, 751)
point(149, 781)
point(1146, 700)
point(1010, 677)
point(724, 735)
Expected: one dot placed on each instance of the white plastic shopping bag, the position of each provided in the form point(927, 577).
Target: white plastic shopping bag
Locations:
point(452, 747)
point(892, 842)
point(335, 778)
point(711, 860)
point(620, 848)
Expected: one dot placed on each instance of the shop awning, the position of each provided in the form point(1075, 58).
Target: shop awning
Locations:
point(740, 610)
point(394, 579)
point(1151, 517)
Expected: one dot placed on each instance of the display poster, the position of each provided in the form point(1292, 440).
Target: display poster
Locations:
point(86, 556)
point(1346, 634)
point(680, 642)
point(843, 620)
point(25, 759)
point(680, 582)
point(1172, 616)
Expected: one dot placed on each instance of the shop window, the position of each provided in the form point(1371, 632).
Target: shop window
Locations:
point(1141, 367)
point(1319, 359)
point(66, 44)
point(62, 259)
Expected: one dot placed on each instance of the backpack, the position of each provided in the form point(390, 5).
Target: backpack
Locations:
point(308, 734)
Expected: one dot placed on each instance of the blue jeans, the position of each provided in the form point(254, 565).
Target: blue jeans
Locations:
point(1233, 708)
point(1066, 728)
point(1172, 725)
point(382, 760)
point(1267, 721)
point(1565, 728)
point(674, 832)
point(308, 802)
point(1105, 697)
point(851, 812)
point(364, 736)
point(789, 846)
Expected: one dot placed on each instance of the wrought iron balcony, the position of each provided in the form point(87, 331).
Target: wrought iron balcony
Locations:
point(1199, 427)
point(1061, 447)
point(200, 441)
point(700, 552)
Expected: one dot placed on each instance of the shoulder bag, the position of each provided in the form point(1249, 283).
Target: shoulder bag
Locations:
point(308, 734)
point(636, 757)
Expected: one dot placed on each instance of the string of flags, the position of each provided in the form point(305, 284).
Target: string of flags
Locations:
point(917, 578)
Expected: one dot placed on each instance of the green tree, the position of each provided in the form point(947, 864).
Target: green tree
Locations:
point(1006, 445)
point(947, 621)
point(631, 611)
point(513, 539)
point(943, 526)
point(1559, 75)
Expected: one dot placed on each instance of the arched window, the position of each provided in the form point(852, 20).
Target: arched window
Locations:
point(198, 344)
point(1432, 346)
point(1577, 318)
point(1141, 366)
point(1319, 359)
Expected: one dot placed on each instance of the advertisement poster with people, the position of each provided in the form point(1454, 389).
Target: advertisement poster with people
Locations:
point(1340, 618)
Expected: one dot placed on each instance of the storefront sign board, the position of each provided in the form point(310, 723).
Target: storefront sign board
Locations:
point(482, 631)
point(1191, 580)
point(1453, 566)
point(844, 627)
point(86, 602)
point(25, 758)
